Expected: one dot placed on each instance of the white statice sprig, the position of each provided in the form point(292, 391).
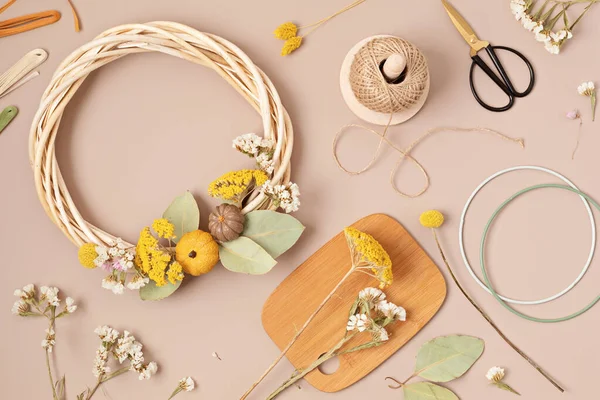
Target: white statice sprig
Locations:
point(359, 322)
point(542, 23)
point(588, 89)
point(50, 340)
point(137, 282)
point(116, 257)
point(114, 283)
point(259, 148)
point(284, 196)
point(496, 375)
point(185, 384)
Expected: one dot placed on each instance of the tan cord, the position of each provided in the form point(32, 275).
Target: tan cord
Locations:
point(405, 153)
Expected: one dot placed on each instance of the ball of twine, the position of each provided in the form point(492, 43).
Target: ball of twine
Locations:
point(370, 86)
point(173, 39)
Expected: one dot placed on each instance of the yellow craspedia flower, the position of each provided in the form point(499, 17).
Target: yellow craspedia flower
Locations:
point(291, 45)
point(234, 185)
point(87, 254)
point(431, 219)
point(175, 273)
point(164, 228)
point(286, 31)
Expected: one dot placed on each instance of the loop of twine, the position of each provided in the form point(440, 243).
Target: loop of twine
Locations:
point(405, 153)
point(369, 85)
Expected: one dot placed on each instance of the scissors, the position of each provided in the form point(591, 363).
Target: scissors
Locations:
point(502, 81)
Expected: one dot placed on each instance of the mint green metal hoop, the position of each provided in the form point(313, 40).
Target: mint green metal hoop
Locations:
point(482, 254)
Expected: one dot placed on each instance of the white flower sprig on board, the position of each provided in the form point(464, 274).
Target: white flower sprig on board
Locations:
point(588, 89)
point(259, 148)
point(543, 20)
point(119, 348)
point(495, 375)
point(370, 314)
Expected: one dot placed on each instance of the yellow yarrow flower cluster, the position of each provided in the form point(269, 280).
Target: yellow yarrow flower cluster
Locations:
point(154, 261)
point(234, 185)
point(366, 251)
point(175, 272)
point(164, 228)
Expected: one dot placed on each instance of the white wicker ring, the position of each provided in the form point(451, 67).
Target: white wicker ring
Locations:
point(166, 37)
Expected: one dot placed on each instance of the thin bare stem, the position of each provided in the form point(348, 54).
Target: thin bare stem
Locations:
point(489, 320)
point(298, 333)
point(51, 327)
point(400, 384)
point(317, 24)
point(578, 138)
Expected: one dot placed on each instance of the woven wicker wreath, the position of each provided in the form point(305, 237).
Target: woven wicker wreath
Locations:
point(241, 229)
point(169, 38)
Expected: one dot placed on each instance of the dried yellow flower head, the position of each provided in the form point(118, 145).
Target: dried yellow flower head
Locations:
point(164, 228)
point(234, 185)
point(432, 219)
point(286, 31)
point(87, 254)
point(291, 45)
point(366, 251)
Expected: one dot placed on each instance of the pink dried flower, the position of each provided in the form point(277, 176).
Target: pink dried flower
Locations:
point(574, 114)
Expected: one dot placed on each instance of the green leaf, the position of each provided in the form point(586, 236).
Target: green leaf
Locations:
point(153, 292)
point(427, 391)
point(244, 255)
point(184, 214)
point(273, 231)
point(447, 357)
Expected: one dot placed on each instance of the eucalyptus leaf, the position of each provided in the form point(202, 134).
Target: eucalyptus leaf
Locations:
point(246, 256)
point(184, 214)
point(448, 357)
point(153, 292)
point(427, 391)
point(273, 231)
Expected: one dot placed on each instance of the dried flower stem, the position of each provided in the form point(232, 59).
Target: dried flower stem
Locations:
point(317, 24)
point(578, 138)
point(298, 333)
point(50, 326)
point(489, 320)
point(103, 378)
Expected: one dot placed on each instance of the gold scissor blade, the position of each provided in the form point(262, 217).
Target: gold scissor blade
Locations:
point(464, 28)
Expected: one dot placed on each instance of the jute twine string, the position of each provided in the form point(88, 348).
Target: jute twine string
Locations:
point(178, 40)
point(405, 153)
point(374, 92)
point(370, 86)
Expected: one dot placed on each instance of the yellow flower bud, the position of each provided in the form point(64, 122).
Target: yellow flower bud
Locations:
point(286, 31)
point(432, 219)
point(291, 45)
point(87, 254)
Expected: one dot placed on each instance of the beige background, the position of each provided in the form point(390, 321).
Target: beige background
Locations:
point(146, 128)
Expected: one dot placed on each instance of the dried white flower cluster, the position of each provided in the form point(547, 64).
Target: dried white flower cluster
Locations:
point(29, 304)
point(45, 305)
point(122, 347)
point(372, 312)
point(284, 196)
point(116, 257)
point(258, 148)
point(495, 374)
point(586, 89)
point(187, 384)
point(541, 25)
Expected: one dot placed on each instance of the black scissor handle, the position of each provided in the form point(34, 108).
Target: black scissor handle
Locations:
point(503, 82)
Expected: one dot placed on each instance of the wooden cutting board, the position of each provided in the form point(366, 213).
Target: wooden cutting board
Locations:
point(418, 286)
